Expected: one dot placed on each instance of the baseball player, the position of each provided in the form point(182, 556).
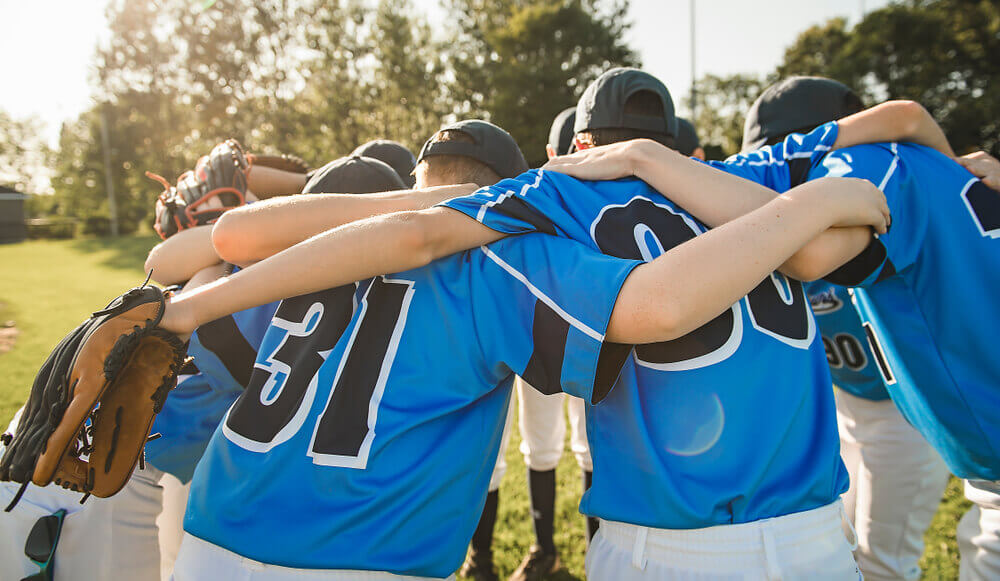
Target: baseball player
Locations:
point(897, 479)
point(368, 515)
point(909, 334)
point(225, 350)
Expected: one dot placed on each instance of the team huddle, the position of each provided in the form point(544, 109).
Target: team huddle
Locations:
point(354, 351)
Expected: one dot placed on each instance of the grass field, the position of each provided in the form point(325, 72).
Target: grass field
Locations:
point(48, 287)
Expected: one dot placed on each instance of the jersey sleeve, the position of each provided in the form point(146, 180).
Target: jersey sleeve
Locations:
point(505, 206)
point(897, 249)
point(541, 307)
point(786, 164)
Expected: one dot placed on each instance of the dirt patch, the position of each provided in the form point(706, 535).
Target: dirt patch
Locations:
point(8, 335)
point(8, 330)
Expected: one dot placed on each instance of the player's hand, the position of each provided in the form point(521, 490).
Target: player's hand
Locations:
point(853, 202)
point(984, 166)
point(606, 162)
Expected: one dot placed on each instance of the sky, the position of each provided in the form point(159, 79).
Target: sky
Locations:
point(47, 47)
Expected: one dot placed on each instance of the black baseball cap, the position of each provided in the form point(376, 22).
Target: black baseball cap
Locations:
point(602, 105)
point(561, 133)
point(796, 105)
point(687, 138)
point(354, 175)
point(393, 153)
point(491, 145)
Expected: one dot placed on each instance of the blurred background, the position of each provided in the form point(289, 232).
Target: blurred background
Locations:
point(96, 92)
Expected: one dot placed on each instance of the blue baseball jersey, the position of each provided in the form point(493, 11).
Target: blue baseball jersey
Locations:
point(224, 351)
point(928, 311)
point(851, 362)
point(371, 424)
point(731, 423)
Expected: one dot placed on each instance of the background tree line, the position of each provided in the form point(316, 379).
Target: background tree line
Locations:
point(315, 78)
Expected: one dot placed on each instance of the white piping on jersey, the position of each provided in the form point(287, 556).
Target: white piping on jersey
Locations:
point(771, 160)
point(580, 326)
point(524, 190)
point(892, 167)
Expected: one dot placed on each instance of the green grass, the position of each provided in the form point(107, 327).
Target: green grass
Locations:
point(48, 287)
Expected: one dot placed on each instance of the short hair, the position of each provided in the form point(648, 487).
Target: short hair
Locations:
point(457, 169)
point(645, 103)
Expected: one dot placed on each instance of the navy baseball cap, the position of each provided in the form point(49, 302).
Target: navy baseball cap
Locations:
point(687, 137)
point(602, 105)
point(354, 175)
point(393, 153)
point(796, 105)
point(561, 133)
point(491, 145)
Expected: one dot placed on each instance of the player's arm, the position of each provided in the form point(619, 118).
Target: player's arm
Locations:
point(268, 182)
point(714, 197)
point(179, 257)
point(892, 121)
point(254, 232)
point(352, 252)
point(690, 284)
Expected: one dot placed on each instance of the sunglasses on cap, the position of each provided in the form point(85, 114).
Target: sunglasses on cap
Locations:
point(41, 545)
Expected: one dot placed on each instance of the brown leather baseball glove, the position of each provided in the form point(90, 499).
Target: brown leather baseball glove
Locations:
point(92, 404)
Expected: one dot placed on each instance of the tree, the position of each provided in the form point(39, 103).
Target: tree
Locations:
point(519, 63)
point(722, 106)
point(941, 53)
point(24, 155)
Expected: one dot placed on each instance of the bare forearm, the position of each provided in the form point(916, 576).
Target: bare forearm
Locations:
point(355, 251)
point(252, 233)
point(716, 197)
point(178, 258)
point(268, 181)
point(696, 281)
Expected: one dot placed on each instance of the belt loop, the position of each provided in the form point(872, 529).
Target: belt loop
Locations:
point(639, 548)
point(770, 554)
point(850, 526)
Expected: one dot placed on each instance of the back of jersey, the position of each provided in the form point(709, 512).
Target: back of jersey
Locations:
point(732, 423)
point(930, 310)
point(372, 419)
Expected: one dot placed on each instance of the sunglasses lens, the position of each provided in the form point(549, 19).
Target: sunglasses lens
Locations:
point(42, 539)
point(40, 576)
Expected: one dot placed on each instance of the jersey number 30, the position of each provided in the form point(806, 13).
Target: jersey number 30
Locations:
point(642, 230)
point(284, 386)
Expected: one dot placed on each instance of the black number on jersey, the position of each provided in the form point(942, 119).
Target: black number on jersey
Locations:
point(642, 230)
point(845, 349)
point(284, 386)
point(984, 205)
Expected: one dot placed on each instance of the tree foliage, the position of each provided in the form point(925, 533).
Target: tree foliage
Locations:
point(944, 54)
point(519, 63)
point(24, 155)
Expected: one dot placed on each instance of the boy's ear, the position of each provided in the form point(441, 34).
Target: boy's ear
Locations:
point(698, 153)
point(580, 146)
point(550, 151)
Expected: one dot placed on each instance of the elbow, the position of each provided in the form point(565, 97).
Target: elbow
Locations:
point(804, 268)
point(911, 116)
point(229, 245)
point(418, 240)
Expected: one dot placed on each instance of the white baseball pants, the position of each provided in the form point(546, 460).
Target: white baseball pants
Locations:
point(807, 546)
point(201, 560)
point(979, 533)
point(543, 428)
point(897, 480)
